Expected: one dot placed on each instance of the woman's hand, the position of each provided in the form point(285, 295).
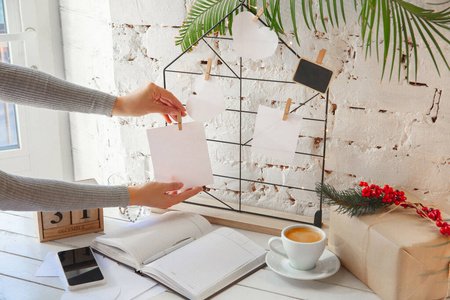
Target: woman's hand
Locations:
point(149, 98)
point(159, 194)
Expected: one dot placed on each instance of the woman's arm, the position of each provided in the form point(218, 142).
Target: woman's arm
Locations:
point(34, 88)
point(29, 194)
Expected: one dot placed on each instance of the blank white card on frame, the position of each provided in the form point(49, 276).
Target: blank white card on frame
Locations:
point(274, 137)
point(181, 155)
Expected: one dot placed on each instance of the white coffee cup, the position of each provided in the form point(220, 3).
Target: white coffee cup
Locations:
point(301, 255)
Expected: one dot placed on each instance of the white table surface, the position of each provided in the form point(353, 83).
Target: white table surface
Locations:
point(21, 255)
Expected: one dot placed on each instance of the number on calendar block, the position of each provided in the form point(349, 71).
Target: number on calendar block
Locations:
point(86, 215)
point(55, 219)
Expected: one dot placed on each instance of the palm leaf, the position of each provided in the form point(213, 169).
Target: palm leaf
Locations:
point(405, 41)
point(273, 16)
point(335, 13)
point(413, 38)
point(399, 21)
point(294, 20)
point(426, 44)
point(387, 32)
point(329, 12)
point(380, 8)
point(343, 11)
point(407, 21)
point(394, 22)
point(278, 14)
point(369, 21)
point(311, 14)
point(400, 35)
point(204, 18)
point(322, 18)
point(304, 13)
point(424, 20)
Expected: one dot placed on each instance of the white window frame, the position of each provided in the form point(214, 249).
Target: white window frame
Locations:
point(44, 135)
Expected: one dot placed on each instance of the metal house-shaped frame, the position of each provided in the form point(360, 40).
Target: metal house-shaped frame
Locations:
point(317, 220)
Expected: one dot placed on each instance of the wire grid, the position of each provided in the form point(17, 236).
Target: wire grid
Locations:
point(317, 221)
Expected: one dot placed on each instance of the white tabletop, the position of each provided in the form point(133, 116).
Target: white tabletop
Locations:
point(21, 254)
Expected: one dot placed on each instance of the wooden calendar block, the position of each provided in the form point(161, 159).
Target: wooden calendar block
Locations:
point(58, 225)
point(55, 219)
point(82, 216)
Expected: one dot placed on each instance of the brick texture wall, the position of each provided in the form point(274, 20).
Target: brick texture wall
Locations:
point(379, 131)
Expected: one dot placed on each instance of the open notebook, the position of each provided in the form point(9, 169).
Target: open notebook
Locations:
point(181, 251)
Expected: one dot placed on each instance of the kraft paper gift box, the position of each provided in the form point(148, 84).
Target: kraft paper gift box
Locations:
point(400, 249)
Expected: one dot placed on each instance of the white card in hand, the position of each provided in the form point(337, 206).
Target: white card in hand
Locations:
point(181, 155)
point(274, 137)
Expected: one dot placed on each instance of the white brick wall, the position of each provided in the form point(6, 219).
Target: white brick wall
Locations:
point(383, 132)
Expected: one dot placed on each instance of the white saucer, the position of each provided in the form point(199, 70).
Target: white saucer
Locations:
point(327, 265)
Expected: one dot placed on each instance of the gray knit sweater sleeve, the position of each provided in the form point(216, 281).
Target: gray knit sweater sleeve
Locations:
point(22, 193)
point(30, 87)
point(34, 88)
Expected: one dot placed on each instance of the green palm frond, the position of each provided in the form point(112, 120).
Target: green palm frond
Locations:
point(204, 17)
point(309, 14)
point(273, 15)
point(402, 22)
point(398, 24)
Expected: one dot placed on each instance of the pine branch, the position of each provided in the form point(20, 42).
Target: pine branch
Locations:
point(368, 199)
point(349, 201)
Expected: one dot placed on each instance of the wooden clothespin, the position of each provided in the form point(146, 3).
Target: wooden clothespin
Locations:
point(208, 68)
point(321, 56)
point(260, 12)
point(180, 125)
point(286, 109)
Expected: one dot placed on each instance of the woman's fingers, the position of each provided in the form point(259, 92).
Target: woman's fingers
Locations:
point(168, 96)
point(171, 186)
point(180, 197)
point(166, 118)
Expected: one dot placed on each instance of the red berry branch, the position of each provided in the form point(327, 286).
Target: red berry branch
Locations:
point(369, 198)
point(398, 198)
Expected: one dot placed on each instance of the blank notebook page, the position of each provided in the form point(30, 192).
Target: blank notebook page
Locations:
point(204, 262)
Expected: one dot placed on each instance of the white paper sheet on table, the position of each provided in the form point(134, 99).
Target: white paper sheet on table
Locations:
point(181, 155)
point(274, 137)
point(251, 39)
point(208, 102)
point(49, 267)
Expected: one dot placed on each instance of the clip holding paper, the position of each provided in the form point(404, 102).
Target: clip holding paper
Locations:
point(208, 68)
point(180, 125)
point(286, 109)
point(320, 56)
point(260, 12)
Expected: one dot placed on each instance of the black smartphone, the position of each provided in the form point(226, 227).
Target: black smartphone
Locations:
point(80, 268)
